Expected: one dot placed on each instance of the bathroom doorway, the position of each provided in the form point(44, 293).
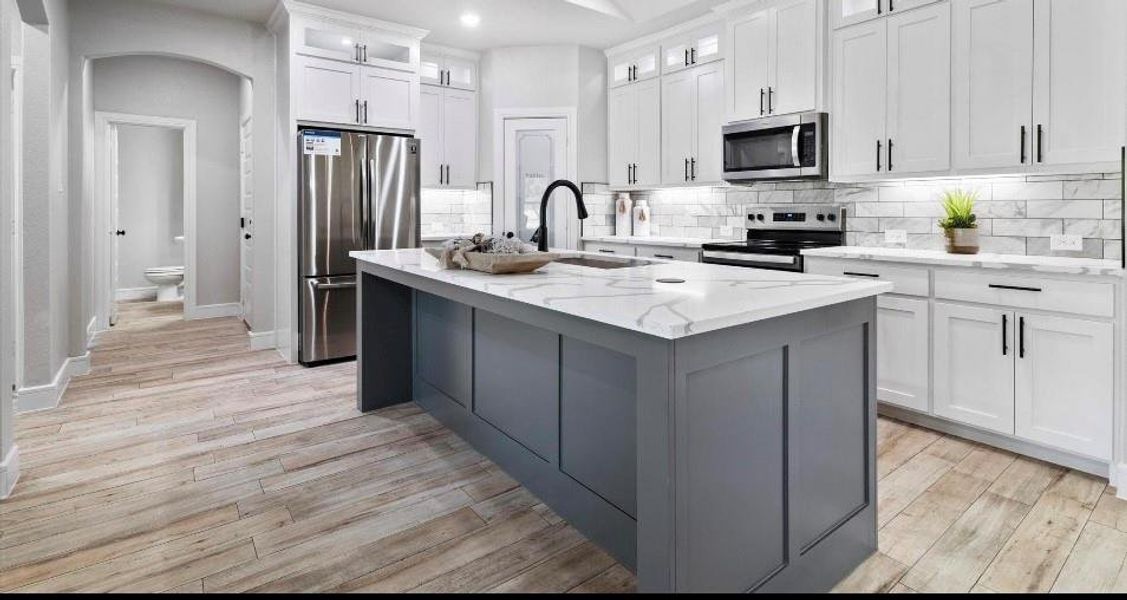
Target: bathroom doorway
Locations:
point(146, 209)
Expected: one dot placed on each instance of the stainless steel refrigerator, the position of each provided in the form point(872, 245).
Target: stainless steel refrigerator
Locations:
point(357, 192)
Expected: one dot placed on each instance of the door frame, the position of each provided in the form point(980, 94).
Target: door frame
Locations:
point(500, 115)
point(246, 189)
point(17, 265)
point(104, 209)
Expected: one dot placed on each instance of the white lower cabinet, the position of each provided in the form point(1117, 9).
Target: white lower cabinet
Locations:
point(1064, 390)
point(974, 367)
point(903, 352)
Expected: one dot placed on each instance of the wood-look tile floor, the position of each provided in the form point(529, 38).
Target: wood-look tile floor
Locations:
point(186, 462)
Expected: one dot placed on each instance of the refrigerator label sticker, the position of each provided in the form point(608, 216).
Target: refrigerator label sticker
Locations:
point(322, 144)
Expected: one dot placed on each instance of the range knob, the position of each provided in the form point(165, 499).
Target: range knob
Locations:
point(832, 217)
point(760, 217)
point(821, 217)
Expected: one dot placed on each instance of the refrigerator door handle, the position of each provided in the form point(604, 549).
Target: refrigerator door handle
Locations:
point(365, 192)
point(371, 201)
point(348, 285)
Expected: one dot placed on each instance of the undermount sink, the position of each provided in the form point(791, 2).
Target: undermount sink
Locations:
point(603, 263)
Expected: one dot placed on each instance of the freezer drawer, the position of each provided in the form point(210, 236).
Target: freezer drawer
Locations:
point(328, 319)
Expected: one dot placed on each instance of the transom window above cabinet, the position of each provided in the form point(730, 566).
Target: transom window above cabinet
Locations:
point(326, 39)
point(849, 12)
point(448, 68)
point(634, 65)
point(698, 47)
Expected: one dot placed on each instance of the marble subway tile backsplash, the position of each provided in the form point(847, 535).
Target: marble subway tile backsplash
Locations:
point(1017, 215)
point(456, 212)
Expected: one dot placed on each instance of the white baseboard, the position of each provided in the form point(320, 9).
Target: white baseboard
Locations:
point(132, 294)
point(213, 311)
point(262, 340)
point(9, 472)
point(46, 397)
point(1118, 476)
point(91, 332)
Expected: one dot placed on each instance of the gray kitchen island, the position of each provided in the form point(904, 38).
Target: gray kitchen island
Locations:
point(711, 427)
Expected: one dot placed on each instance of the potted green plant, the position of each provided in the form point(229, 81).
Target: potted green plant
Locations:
point(960, 225)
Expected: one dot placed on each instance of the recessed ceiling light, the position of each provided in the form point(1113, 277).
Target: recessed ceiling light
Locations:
point(470, 19)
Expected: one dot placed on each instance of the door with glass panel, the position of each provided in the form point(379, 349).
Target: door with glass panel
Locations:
point(536, 155)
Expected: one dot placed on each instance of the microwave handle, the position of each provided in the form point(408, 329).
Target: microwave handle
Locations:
point(794, 146)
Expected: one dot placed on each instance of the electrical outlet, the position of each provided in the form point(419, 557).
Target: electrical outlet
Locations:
point(896, 236)
point(1066, 243)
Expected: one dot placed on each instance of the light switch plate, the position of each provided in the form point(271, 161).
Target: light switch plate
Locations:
point(1066, 243)
point(896, 236)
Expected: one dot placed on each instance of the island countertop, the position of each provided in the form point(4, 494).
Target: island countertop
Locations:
point(712, 297)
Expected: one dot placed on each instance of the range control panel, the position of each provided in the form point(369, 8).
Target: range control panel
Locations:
point(817, 217)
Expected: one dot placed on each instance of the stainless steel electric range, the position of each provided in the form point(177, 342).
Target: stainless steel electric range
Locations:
point(777, 235)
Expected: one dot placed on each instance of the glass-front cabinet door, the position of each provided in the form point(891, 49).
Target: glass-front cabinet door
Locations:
point(848, 12)
point(326, 40)
point(461, 73)
point(389, 51)
point(431, 71)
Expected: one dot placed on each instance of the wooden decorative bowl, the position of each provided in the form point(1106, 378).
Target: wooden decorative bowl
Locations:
point(497, 264)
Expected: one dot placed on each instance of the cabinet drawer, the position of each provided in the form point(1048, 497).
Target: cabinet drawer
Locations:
point(683, 254)
point(909, 281)
point(602, 248)
point(1070, 296)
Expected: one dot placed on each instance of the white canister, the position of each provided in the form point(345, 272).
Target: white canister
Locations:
point(623, 215)
point(642, 219)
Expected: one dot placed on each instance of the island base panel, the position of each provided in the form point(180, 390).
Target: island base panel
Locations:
point(384, 344)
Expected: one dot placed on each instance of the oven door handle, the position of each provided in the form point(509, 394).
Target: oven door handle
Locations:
point(749, 257)
point(794, 146)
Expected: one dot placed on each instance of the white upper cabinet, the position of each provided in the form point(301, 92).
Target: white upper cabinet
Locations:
point(389, 51)
point(919, 84)
point(849, 12)
point(858, 118)
point(1079, 81)
point(327, 91)
point(701, 46)
point(993, 83)
point(773, 63)
point(449, 68)
point(634, 65)
point(974, 366)
point(692, 104)
point(1065, 383)
point(389, 98)
point(1039, 84)
point(448, 130)
point(327, 40)
point(634, 135)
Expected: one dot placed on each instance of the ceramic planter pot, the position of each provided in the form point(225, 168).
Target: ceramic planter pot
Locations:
point(962, 241)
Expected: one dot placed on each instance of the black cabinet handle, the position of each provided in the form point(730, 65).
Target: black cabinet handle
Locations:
point(878, 7)
point(119, 232)
point(890, 154)
point(1005, 334)
point(357, 111)
point(890, 8)
point(762, 93)
point(356, 52)
point(878, 150)
point(693, 166)
point(666, 256)
point(693, 55)
point(1022, 144)
point(856, 274)
point(686, 169)
point(1021, 338)
point(365, 112)
point(635, 173)
point(246, 236)
point(770, 100)
point(605, 251)
point(686, 57)
point(1040, 135)
point(1019, 288)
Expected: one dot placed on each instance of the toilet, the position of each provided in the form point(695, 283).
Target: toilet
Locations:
point(168, 281)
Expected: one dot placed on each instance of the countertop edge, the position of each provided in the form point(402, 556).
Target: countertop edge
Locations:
point(1016, 262)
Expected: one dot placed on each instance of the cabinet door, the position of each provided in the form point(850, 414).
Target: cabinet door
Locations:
point(648, 154)
point(390, 51)
point(648, 61)
point(675, 55)
point(795, 58)
point(326, 40)
point(903, 352)
point(707, 44)
point(392, 98)
point(708, 121)
point(974, 366)
point(462, 73)
point(748, 66)
point(1079, 87)
point(459, 133)
point(622, 134)
point(430, 134)
point(327, 90)
point(619, 69)
point(677, 117)
point(919, 90)
point(859, 99)
point(431, 69)
point(993, 83)
point(1064, 381)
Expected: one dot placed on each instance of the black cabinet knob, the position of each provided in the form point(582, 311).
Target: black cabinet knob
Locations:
point(246, 236)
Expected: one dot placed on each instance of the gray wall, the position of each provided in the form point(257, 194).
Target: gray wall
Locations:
point(168, 87)
point(150, 202)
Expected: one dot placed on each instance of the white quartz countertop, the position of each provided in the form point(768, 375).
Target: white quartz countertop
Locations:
point(1041, 264)
point(713, 297)
point(650, 240)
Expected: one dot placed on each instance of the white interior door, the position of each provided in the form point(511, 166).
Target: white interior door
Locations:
point(919, 84)
point(246, 219)
point(536, 154)
point(974, 366)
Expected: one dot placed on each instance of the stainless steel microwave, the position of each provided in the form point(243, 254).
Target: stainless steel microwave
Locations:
point(783, 147)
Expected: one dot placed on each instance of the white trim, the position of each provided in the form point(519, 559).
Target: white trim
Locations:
point(133, 294)
point(17, 220)
point(450, 51)
point(262, 340)
point(213, 311)
point(343, 18)
point(45, 397)
point(103, 208)
point(500, 115)
point(9, 472)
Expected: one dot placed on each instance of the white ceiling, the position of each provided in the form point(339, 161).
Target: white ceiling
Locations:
point(596, 23)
